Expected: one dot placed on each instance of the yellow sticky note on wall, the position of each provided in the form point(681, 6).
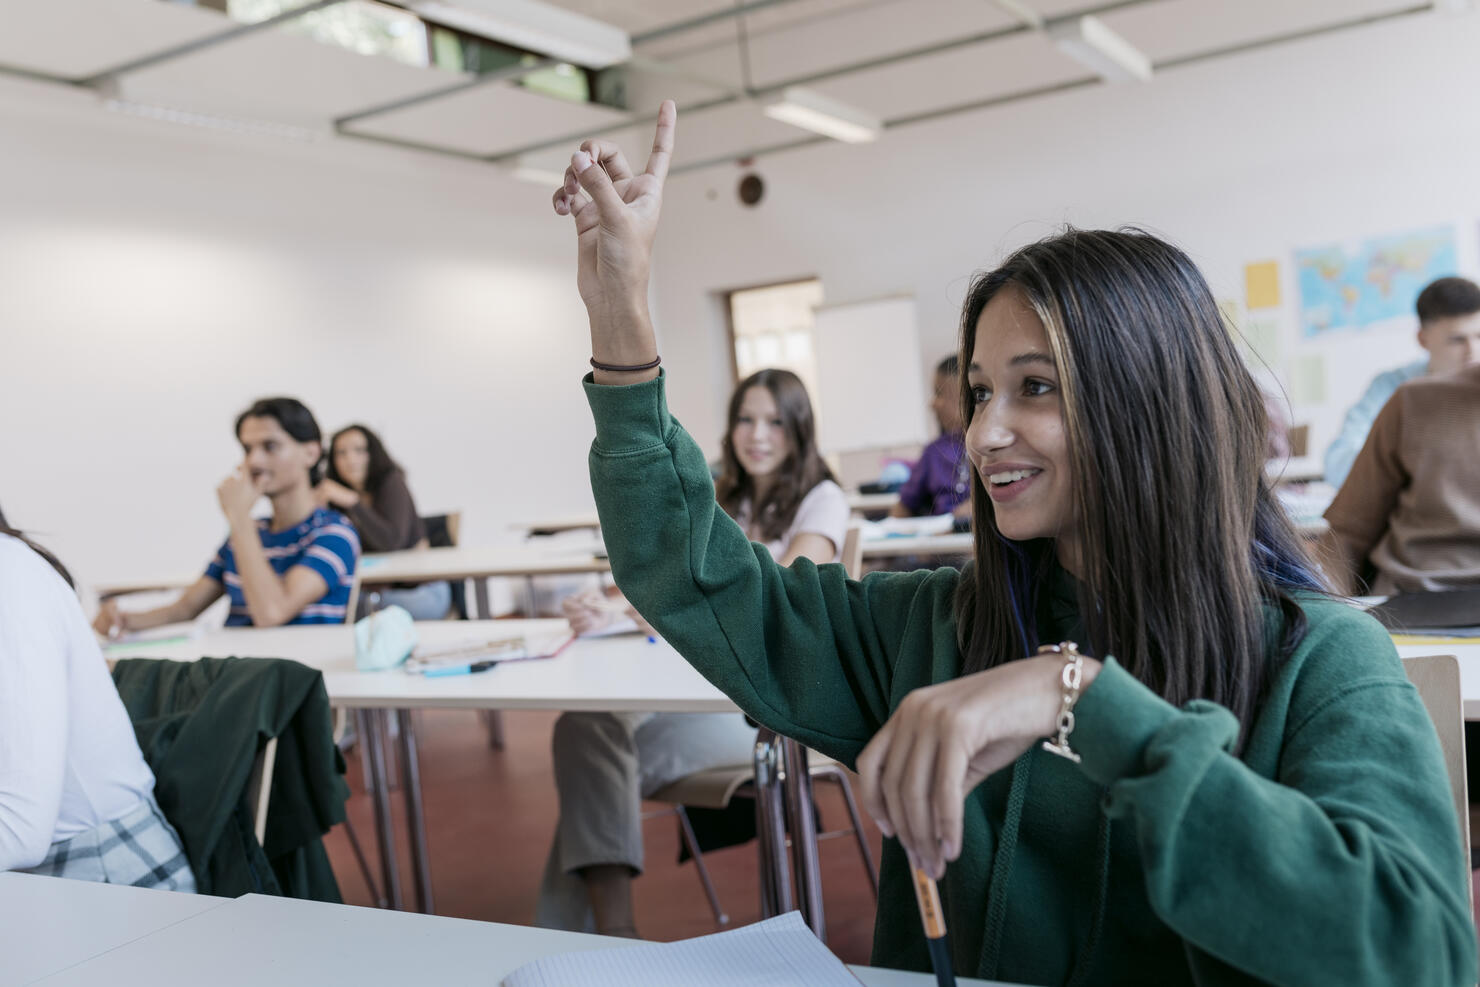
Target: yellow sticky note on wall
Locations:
point(1262, 284)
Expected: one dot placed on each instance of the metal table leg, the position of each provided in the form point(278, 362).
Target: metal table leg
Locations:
point(372, 722)
point(415, 819)
point(802, 821)
point(772, 857)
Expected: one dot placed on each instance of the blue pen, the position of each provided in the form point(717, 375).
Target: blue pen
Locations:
point(468, 669)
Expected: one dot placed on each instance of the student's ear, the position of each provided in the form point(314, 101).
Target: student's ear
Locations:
point(1423, 336)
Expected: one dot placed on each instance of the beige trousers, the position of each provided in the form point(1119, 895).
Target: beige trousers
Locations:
point(605, 764)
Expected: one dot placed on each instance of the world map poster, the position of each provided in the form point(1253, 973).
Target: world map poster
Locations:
point(1351, 286)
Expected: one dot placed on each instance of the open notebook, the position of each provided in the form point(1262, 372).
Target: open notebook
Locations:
point(779, 952)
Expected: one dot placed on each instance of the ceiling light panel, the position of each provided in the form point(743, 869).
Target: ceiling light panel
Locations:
point(534, 26)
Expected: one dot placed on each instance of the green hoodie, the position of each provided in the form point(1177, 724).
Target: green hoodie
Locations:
point(1327, 853)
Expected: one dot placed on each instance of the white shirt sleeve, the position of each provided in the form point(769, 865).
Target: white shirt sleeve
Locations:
point(824, 511)
point(33, 708)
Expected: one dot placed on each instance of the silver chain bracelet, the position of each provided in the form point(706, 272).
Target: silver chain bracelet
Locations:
point(1073, 677)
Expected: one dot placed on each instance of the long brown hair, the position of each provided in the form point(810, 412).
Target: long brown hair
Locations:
point(1182, 541)
point(6, 529)
point(802, 469)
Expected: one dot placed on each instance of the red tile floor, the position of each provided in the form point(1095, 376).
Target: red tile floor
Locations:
point(490, 814)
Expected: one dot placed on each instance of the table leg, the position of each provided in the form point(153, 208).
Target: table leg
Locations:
point(802, 821)
point(372, 730)
point(772, 858)
point(416, 829)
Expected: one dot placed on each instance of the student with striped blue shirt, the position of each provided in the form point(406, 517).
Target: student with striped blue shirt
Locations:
point(296, 567)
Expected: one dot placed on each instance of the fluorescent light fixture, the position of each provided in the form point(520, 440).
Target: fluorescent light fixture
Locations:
point(1089, 41)
point(819, 114)
point(209, 121)
point(534, 26)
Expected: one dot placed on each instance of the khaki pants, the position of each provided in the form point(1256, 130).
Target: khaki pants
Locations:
point(605, 763)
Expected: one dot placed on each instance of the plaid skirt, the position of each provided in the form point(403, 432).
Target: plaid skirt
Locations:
point(140, 849)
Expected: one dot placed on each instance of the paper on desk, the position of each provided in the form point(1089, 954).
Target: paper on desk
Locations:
point(906, 527)
point(779, 952)
point(622, 625)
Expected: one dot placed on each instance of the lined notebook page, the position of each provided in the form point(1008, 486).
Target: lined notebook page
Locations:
point(779, 952)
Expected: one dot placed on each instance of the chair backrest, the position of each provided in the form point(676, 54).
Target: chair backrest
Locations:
point(442, 532)
point(443, 529)
point(853, 552)
point(1437, 679)
point(259, 787)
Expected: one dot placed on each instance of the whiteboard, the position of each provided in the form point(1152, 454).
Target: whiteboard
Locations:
point(870, 387)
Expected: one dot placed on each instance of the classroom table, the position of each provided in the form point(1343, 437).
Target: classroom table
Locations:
point(860, 503)
point(48, 924)
point(958, 543)
point(288, 942)
point(479, 562)
point(125, 587)
point(619, 673)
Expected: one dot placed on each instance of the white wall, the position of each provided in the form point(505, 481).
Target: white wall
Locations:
point(154, 279)
point(1243, 159)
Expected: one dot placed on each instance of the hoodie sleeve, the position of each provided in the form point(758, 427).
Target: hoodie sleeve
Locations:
point(1344, 868)
point(802, 649)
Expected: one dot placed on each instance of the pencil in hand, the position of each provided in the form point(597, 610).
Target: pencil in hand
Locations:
point(928, 898)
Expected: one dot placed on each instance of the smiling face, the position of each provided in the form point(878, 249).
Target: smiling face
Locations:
point(351, 456)
point(759, 436)
point(1017, 441)
point(274, 460)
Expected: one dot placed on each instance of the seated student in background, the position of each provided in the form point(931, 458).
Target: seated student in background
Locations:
point(1249, 788)
point(1409, 511)
point(778, 489)
point(1449, 328)
point(940, 482)
point(296, 567)
point(368, 485)
point(76, 798)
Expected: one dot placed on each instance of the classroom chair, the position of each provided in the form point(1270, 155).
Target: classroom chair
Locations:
point(718, 787)
point(1436, 677)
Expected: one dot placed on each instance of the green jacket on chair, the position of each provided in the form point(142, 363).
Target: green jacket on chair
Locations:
point(200, 725)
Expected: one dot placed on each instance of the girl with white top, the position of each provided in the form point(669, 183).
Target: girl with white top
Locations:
point(76, 798)
point(775, 484)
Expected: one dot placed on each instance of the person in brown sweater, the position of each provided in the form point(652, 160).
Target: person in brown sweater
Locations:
point(367, 484)
point(1407, 518)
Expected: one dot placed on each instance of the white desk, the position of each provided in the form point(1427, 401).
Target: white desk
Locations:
point(952, 543)
point(859, 502)
point(48, 924)
point(613, 673)
point(124, 587)
point(286, 942)
point(478, 563)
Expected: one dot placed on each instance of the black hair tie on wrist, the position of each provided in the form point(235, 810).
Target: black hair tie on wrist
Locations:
point(613, 368)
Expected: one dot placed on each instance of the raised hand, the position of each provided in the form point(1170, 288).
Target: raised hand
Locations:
point(616, 218)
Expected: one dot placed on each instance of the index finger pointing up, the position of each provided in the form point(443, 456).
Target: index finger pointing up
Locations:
point(662, 153)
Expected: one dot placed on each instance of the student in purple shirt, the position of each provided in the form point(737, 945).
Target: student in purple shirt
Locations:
point(940, 483)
